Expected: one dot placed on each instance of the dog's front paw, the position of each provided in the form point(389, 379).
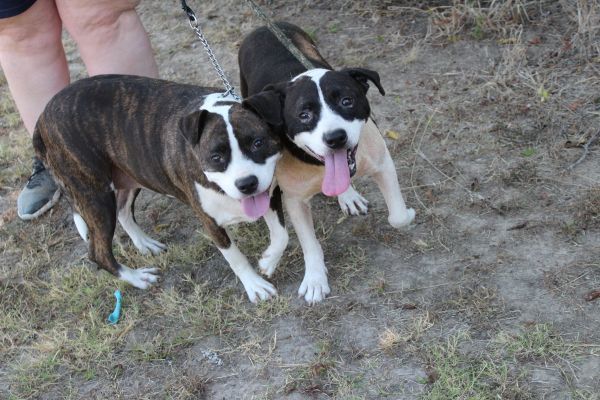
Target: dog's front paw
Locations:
point(352, 203)
point(141, 278)
point(314, 289)
point(268, 263)
point(258, 289)
point(146, 245)
point(404, 219)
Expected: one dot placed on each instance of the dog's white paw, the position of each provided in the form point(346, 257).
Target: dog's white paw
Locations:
point(146, 245)
point(314, 288)
point(352, 203)
point(141, 278)
point(268, 263)
point(258, 289)
point(404, 219)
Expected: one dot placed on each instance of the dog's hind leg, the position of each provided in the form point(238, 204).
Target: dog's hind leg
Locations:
point(277, 233)
point(384, 172)
point(98, 210)
point(125, 205)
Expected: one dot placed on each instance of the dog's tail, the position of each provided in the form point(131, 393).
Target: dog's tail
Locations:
point(38, 143)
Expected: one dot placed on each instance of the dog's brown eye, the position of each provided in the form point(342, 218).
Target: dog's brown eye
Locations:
point(347, 102)
point(216, 158)
point(257, 143)
point(305, 116)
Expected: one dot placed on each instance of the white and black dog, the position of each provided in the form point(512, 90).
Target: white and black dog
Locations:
point(106, 137)
point(328, 136)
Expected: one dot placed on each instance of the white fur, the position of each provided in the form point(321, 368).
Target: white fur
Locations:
point(81, 226)
point(144, 243)
point(141, 278)
point(222, 208)
point(312, 141)
point(352, 203)
point(256, 287)
point(239, 165)
point(279, 241)
point(314, 287)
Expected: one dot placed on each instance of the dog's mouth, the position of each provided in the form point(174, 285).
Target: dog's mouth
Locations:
point(256, 206)
point(340, 166)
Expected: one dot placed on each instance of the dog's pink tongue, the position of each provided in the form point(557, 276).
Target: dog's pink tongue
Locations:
point(337, 173)
point(256, 206)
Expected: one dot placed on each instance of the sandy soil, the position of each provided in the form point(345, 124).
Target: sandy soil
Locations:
point(484, 297)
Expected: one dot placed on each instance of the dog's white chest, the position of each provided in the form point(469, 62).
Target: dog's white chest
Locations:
point(222, 208)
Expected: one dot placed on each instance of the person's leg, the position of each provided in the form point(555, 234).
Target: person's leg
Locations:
point(34, 63)
point(33, 59)
point(109, 35)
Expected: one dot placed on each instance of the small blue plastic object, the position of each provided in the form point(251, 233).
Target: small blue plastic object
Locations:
point(113, 318)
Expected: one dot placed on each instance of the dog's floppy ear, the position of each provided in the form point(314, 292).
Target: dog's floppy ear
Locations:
point(191, 125)
point(268, 104)
point(363, 75)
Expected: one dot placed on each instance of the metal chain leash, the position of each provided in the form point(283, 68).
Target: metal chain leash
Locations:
point(285, 41)
point(194, 24)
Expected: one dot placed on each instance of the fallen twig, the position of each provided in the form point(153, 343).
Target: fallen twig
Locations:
point(470, 192)
point(586, 150)
point(518, 226)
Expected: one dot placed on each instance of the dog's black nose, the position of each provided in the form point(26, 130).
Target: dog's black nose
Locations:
point(247, 185)
point(335, 139)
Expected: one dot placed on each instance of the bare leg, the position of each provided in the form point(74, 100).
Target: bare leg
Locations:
point(33, 58)
point(314, 286)
point(109, 35)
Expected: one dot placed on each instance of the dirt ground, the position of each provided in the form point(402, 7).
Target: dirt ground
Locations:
point(487, 296)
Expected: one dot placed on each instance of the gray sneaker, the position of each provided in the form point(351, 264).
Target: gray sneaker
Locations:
point(39, 194)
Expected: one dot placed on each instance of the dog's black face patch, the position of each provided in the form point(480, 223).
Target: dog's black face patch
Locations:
point(302, 107)
point(235, 145)
point(255, 138)
point(321, 104)
point(345, 95)
point(214, 149)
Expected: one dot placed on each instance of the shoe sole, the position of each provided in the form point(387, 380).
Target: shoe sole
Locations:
point(46, 207)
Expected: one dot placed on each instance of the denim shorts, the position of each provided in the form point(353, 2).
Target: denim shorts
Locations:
point(10, 8)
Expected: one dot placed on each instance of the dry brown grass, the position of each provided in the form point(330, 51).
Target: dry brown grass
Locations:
point(587, 209)
point(480, 19)
point(585, 15)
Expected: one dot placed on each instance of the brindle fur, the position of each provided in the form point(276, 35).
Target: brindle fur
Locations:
point(88, 136)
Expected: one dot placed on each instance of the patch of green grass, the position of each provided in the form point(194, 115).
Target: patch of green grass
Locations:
point(538, 342)
point(456, 375)
point(314, 377)
point(478, 31)
point(16, 153)
point(36, 376)
point(334, 28)
point(528, 152)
